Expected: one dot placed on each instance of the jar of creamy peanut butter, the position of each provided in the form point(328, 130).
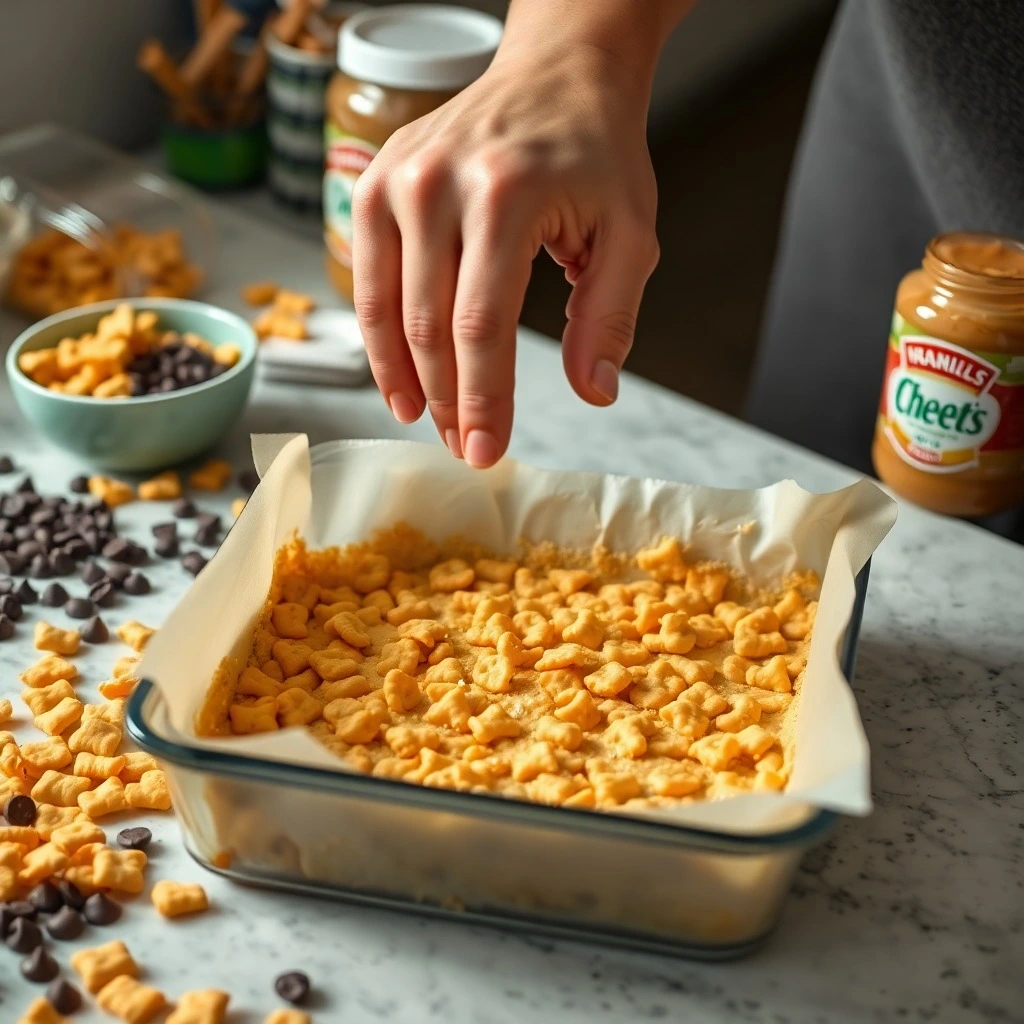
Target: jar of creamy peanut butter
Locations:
point(395, 64)
point(950, 432)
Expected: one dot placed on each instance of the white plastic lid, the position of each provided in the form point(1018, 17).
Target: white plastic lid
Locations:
point(418, 46)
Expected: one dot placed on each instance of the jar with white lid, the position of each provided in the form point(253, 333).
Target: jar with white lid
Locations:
point(395, 64)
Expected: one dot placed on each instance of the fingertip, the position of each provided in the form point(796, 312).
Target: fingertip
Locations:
point(454, 442)
point(481, 449)
point(403, 408)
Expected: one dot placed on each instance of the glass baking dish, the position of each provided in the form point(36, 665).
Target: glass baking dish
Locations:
point(564, 872)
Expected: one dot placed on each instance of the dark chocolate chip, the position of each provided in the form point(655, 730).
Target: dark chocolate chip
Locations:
point(6, 465)
point(61, 563)
point(79, 608)
point(63, 996)
point(103, 594)
point(207, 536)
point(54, 595)
point(23, 935)
point(79, 485)
point(95, 631)
point(76, 548)
point(6, 920)
point(21, 908)
point(11, 564)
point(92, 572)
point(43, 516)
point(292, 987)
point(208, 519)
point(6, 627)
point(248, 480)
point(94, 540)
point(26, 486)
point(29, 548)
point(193, 562)
point(6, 585)
point(39, 965)
point(118, 573)
point(20, 810)
point(23, 533)
point(11, 607)
point(136, 838)
point(160, 530)
point(66, 923)
point(136, 584)
point(117, 549)
point(46, 897)
point(72, 895)
point(39, 568)
point(100, 909)
point(166, 547)
point(184, 508)
point(25, 593)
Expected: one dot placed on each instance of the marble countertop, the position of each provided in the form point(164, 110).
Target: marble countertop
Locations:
point(914, 913)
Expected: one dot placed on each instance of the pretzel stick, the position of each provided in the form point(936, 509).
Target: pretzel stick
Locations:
point(155, 61)
point(254, 67)
point(212, 45)
point(292, 21)
point(204, 12)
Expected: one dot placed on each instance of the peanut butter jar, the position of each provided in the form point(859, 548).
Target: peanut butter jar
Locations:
point(395, 64)
point(950, 430)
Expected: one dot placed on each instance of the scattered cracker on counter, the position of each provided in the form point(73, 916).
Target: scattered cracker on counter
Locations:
point(285, 315)
point(556, 678)
point(53, 272)
point(127, 356)
point(163, 487)
point(211, 476)
point(174, 899)
point(110, 491)
point(260, 293)
point(201, 1006)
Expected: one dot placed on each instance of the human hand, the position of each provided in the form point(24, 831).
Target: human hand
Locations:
point(547, 148)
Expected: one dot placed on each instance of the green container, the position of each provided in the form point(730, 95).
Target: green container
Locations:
point(216, 159)
point(150, 432)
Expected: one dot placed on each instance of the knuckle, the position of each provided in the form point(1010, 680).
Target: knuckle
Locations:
point(369, 196)
point(424, 331)
point(443, 408)
point(372, 311)
point(498, 176)
point(477, 327)
point(478, 405)
point(422, 177)
point(617, 329)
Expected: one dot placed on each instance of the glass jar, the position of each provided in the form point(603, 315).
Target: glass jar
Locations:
point(395, 64)
point(950, 431)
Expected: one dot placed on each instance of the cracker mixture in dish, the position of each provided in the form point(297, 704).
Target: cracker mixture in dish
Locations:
point(598, 681)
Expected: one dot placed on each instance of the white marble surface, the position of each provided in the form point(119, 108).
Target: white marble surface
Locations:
point(915, 913)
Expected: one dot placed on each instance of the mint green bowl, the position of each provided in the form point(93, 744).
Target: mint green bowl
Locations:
point(152, 431)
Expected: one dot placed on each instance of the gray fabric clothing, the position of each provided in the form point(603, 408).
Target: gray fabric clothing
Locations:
point(915, 126)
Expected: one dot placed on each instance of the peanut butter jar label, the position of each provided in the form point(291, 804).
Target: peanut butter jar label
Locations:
point(346, 158)
point(944, 407)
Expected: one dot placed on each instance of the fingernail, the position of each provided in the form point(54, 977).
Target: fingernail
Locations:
point(402, 407)
point(481, 449)
point(451, 438)
point(605, 379)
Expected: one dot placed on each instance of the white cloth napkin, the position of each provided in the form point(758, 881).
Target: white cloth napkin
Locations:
point(333, 356)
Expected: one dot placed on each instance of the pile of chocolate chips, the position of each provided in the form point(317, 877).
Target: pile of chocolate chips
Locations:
point(170, 368)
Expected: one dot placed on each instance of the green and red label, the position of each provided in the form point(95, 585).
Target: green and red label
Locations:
point(944, 405)
point(346, 157)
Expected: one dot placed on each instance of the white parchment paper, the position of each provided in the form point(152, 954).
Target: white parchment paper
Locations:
point(342, 491)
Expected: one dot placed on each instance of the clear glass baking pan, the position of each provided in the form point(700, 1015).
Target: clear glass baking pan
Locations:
point(564, 872)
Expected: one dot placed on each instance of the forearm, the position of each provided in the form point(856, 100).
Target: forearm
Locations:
point(628, 31)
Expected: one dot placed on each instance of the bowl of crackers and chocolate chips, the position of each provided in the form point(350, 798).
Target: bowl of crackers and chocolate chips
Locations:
point(134, 384)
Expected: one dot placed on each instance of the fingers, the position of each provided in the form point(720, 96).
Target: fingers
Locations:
point(492, 283)
point(603, 307)
point(428, 222)
point(377, 275)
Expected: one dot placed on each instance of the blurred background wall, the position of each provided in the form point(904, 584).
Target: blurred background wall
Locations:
point(728, 102)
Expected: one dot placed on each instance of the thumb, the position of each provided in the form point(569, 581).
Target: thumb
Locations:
point(602, 310)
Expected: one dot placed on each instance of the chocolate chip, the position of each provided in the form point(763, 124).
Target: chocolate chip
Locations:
point(6, 920)
point(95, 631)
point(166, 547)
point(60, 563)
point(248, 480)
point(11, 607)
point(39, 966)
point(66, 923)
point(24, 935)
point(6, 465)
point(20, 810)
point(21, 908)
point(118, 550)
point(26, 486)
point(292, 987)
point(103, 594)
point(184, 508)
point(76, 548)
point(79, 485)
point(43, 516)
point(39, 568)
point(6, 627)
point(29, 548)
point(118, 573)
point(193, 562)
point(54, 596)
point(46, 897)
point(136, 838)
point(100, 909)
point(208, 519)
point(79, 608)
point(63, 996)
point(92, 572)
point(72, 895)
point(25, 593)
point(11, 564)
point(207, 536)
point(164, 530)
point(136, 584)
point(6, 584)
